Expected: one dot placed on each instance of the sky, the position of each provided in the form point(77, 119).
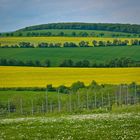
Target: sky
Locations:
point(16, 14)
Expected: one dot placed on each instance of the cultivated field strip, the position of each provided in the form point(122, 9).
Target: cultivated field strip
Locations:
point(36, 40)
point(40, 77)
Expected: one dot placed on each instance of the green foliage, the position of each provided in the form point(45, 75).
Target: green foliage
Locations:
point(87, 26)
point(69, 44)
point(63, 89)
point(13, 62)
point(47, 63)
point(76, 86)
point(83, 44)
point(83, 63)
point(67, 63)
point(50, 88)
point(26, 45)
point(43, 45)
point(78, 97)
point(78, 30)
point(117, 62)
point(93, 84)
point(95, 43)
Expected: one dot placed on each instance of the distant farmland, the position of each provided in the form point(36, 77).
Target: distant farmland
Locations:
point(36, 40)
point(72, 32)
point(57, 55)
point(40, 77)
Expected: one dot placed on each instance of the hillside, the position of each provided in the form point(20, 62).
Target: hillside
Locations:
point(128, 28)
point(78, 30)
point(72, 33)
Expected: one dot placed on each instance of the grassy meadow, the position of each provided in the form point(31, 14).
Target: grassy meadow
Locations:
point(36, 40)
point(73, 127)
point(25, 95)
point(57, 55)
point(40, 77)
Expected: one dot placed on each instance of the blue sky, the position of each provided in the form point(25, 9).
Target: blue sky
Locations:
point(16, 14)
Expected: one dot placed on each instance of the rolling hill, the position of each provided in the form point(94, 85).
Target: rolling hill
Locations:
point(78, 29)
point(128, 28)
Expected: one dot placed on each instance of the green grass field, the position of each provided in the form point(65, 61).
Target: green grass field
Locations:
point(73, 127)
point(57, 55)
point(25, 95)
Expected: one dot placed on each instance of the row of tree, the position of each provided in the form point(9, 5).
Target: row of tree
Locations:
point(81, 85)
point(74, 87)
point(95, 43)
point(72, 34)
point(117, 62)
point(14, 62)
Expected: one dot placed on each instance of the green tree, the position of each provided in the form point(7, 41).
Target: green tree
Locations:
point(29, 63)
point(61, 34)
point(3, 62)
point(67, 63)
point(83, 44)
point(73, 34)
point(85, 63)
point(109, 43)
point(43, 45)
point(49, 87)
point(20, 34)
point(79, 64)
point(94, 42)
point(37, 63)
point(69, 44)
point(77, 85)
point(101, 43)
point(63, 89)
point(93, 84)
point(26, 45)
point(47, 63)
point(101, 34)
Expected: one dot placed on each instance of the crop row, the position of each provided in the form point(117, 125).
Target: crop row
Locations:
point(54, 40)
point(40, 76)
point(95, 43)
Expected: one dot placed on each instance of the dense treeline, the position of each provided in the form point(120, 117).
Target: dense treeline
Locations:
point(13, 62)
point(62, 88)
point(70, 34)
point(117, 62)
point(127, 28)
point(95, 43)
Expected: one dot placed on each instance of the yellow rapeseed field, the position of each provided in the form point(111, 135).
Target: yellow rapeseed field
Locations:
point(40, 77)
point(36, 40)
